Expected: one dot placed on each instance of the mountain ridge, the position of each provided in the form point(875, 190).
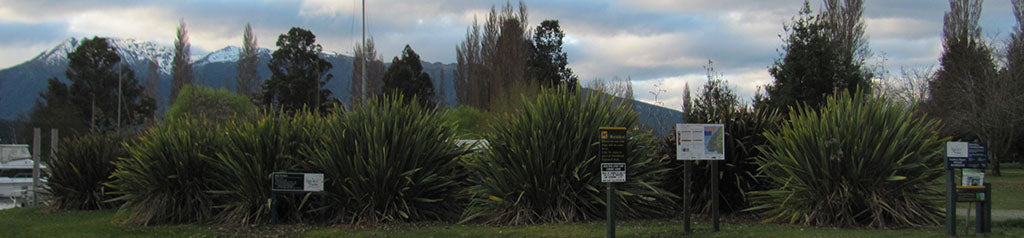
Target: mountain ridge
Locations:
point(21, 84)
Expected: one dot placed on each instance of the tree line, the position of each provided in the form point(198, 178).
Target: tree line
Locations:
point(976, 98)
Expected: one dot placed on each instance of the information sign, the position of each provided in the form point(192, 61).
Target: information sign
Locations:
point(966, 155)
point(613, 154)
point(700, 142)
point(297, 182)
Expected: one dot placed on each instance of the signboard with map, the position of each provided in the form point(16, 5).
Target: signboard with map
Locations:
point(700, 142)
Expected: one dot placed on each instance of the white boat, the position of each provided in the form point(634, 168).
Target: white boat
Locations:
point(16, 171)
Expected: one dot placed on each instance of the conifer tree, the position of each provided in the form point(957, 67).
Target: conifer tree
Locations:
point(298, 74)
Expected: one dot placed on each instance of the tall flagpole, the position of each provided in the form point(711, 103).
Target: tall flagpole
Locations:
point(363, 72)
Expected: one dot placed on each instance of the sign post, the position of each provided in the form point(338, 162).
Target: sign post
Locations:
point(967, 155)
point(613, 167)
point(292, 183)
point(700, 142)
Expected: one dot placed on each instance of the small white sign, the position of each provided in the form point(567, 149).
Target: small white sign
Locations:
point(313, 182)
point(956, 149)
point(613, 172)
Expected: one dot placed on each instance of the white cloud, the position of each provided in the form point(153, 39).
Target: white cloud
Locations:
point(143, 23)
point(900, 28)
point(17, 54)
point(632, 50)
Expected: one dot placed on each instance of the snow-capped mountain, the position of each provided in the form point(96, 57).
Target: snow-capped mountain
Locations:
point(20, 85)
point(133, 52)
point(227, 54)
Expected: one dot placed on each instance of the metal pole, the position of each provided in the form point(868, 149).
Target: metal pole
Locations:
point(714, 195)
point(687, 170)
point(611, 210)
point(950, 204)
point(36, 145)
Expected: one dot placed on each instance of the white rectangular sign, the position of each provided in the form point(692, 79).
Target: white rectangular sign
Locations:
point(313, 182)
point(700, 142)
point(613, 172)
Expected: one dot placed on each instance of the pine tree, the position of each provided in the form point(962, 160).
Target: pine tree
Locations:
point(91, 101)
point(405, 76)
point(181, 68)
point(248, 59)
point(821, 56)
point(298, 74)
point(548, 63)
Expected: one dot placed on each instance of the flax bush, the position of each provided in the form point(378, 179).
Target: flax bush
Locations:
point(859, 161)
point(82, 165)
point(386, 160)
point(542, 164)
point(167, 176)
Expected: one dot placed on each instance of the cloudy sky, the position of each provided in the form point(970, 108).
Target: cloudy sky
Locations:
point(660, 44)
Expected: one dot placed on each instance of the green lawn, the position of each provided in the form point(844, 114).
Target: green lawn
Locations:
point(1008, 190)
point(34, 222)
point(1008, 194)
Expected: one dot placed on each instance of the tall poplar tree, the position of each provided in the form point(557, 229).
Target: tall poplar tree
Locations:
point(248, 59)
point(181, 67)
point(375, 72)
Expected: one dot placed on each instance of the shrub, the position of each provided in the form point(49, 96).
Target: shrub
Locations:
point(215, 105)
point(542, 164)
point(166, 177)
point(859, 161)
point(82, 165)
point(469, 121)
point(386, 160)
point(252, 151)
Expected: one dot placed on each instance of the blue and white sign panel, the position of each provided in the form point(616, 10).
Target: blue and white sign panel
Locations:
point(966, 155)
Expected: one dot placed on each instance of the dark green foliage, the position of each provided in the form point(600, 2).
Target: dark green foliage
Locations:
point(252, 151)
point(387, 160)
point(212, 105)
point(82, 165)
point(168, 175)
point(405, 76)
point(542, 164)
point(859, 161)
point(814, 65)
point(296, 71)
point(56, 110)
point(548, 63)
point(94, 76)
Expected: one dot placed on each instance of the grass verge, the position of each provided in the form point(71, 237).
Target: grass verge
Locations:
point(34, 222)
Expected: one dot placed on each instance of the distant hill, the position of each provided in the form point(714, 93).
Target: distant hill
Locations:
point(21, 85)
